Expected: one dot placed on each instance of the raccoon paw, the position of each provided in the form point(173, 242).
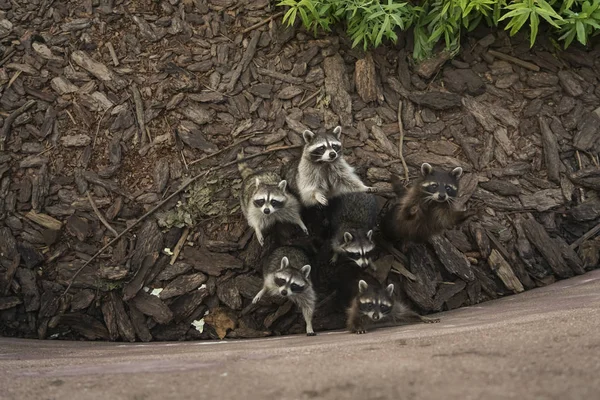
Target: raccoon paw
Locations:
point(256, 299)
point(431, 320)
point(261, 240)
point(321, 199)
point(371, 189)
point(305, 231)
point(360, 331)
point(311, 334)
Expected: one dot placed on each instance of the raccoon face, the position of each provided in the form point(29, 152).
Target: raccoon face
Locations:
point(376, 304)
point(440, 186)
point(323, 148)
point(359, 247)
point(269, 198)
point(289, 281)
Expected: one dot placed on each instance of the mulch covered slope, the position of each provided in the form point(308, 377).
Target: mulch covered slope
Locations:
point(105, 106)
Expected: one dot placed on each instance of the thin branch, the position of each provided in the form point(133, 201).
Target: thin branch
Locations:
point(261, 23)
point(401, 142)
point(10, 119)
point(179, 245)
point(183, 186)
point(242, 140)
point(99, 214)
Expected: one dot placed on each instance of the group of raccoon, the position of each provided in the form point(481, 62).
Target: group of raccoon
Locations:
point(321, 178)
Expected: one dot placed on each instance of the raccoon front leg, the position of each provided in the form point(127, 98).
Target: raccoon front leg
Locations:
point(259, 235)
point(355, 323)
point(298, 221)
point(259, 295)
point(307, 313)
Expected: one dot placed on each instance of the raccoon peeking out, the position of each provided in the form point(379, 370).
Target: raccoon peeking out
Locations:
point(426, 207)
point(374, 304)
point(353, 219)
point(286, 273)
point(265, 201)
point(322, 173)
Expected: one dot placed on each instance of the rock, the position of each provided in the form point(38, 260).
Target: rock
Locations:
point(545, 245)
point(542, 79)
point(229, 294)
point(455, 262)
point(198, 114)
point(426, 69)
point(365, 79)
point(570, 83)
point(63, 86)
point(543, 200)
point(502, 268)
point(222, 320)
point(152, 306)
point(588, 133)
point(337, 86)
point(185, 306)
point(87, 326)
point(75, 140)
point(289, 92)
point(182, 284)
point(436, 100)
point(190, 134)
point(463, 81)
point(262, 90)
point(501, 187)
point(210, 263)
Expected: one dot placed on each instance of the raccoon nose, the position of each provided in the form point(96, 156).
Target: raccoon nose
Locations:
point(284, 292)
point(267, 211)
point(443, 196)
point(375, 317)
point(332, 154)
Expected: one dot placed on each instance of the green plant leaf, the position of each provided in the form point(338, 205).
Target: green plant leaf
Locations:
point(581, 36)
point(533, 25)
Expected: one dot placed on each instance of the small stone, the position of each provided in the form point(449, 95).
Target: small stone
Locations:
point(75, 140)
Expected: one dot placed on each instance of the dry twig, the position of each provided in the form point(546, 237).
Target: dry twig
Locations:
point(99, 214)
point(10, 119)
point(514, 60)
point(183, 186)
point(261, 23)
point(401, 142)
point(179, 245)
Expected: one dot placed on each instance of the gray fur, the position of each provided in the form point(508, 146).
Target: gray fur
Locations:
point(268, 186)
point(291, 266)
point(318, 178)
point(353, 219)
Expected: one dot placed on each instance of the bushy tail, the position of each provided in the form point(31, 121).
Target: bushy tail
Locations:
point(243, 167)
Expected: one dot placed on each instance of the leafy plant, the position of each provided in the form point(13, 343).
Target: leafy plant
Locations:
point(530, 10)
point(580, 24)
point(371, 22)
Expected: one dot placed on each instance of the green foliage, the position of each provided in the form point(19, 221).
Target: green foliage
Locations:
point(370, 22)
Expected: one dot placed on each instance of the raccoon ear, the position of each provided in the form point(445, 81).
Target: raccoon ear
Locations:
point(284, 263)
point(426, 169)
point(282, 185)
point(257, 183)
point(370, 235)
point(305, 271)
point(390, 289)
point(308, 136)
point(338, 132)
point(348, 237)
point(362, 286)
point(457, 172)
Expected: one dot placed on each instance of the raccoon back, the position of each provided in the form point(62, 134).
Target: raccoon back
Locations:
point(354, 210)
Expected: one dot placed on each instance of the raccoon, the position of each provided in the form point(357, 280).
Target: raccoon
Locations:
point(322, 173)
point(286, 273)
point(426, 207)
point(373, 303)
point(265, 201)
point(353, 219)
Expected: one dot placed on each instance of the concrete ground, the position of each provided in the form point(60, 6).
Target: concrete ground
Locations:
point(542, 344)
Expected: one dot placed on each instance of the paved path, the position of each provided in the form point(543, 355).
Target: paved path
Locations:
point(542, 344)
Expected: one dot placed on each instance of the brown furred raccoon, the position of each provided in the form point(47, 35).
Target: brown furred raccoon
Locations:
point(426, 207)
